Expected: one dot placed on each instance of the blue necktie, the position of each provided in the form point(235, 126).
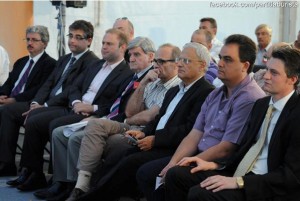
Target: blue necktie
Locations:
point(63, 77)
point(22, 81)
point(114, 110)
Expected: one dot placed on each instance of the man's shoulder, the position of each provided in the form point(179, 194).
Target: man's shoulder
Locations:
point(252, 91)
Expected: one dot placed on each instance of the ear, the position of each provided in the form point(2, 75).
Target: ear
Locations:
point(292, 80)
point(246, 66)
point(151, 56)
point(89, 40)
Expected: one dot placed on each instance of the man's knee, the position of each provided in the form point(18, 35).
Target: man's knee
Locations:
point(196, 193)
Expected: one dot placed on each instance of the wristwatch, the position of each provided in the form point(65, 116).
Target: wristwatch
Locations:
point(240, 182)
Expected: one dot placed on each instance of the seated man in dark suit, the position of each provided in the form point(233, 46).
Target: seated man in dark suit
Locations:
point(92, 93)
point(266, 167)
point(52, 93)
point(29, 72)
point(218, 129)
point(161, 136)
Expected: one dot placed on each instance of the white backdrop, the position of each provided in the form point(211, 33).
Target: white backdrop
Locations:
point(164, 21)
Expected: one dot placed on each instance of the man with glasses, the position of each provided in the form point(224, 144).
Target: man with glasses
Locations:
point(52, 93)
point(218, 129)
point(29, 72)
point(28, 75)
point(161, 137)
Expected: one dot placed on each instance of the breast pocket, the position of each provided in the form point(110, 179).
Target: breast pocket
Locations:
point(219, 125)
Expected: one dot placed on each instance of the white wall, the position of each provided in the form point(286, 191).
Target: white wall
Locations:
point(166, 21)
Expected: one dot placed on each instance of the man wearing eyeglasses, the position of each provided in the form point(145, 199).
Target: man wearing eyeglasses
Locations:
point(29, 72)
point(52, 93)
point(28, 75)
point(218, 128)
point(161, 137)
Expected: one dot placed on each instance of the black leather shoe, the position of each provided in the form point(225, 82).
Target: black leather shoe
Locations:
point(64, 194)
point(76, 194)
point(55, 189)
point(21, 179)
point(35, 181)
point(7, 169)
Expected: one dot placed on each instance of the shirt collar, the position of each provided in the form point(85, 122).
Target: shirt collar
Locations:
point(246, 80)
point(141, 73)
point(266, 48)
point(79, 55)
point(37, 57)
point(184, 88)
point(112, 66)
point(168, 84)
point(279, 105)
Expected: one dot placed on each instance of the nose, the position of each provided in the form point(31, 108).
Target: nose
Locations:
point(220, 63)
point(267, 75)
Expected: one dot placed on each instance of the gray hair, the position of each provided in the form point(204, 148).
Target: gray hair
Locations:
point(261, 26)
point(42, 30)
point(144, 43)
point(201, 51)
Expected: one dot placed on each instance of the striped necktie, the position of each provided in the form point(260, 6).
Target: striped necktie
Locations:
point(114, 110)
point(251, 156)
point(63, 77)
point(22, 81)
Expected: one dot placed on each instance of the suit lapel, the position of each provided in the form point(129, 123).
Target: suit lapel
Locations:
point(91, 75)
point(36, 68)
point(283, 117)
point(115, 73)
point(62, 67)
point(186, 96)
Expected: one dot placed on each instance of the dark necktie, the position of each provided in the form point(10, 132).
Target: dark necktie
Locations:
point(114, 110)
point(22, 81)
point(63, 77)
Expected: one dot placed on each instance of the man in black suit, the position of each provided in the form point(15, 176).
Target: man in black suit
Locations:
point(267, 165)
point(52, 93)
point(161, 137)
point(29, 72)
point(92, 93)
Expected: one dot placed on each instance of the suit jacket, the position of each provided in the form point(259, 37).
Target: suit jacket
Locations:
point(109, 91)
point(61, 99)
point(38, 75)
point(282, 182)
point(182, 118)
point(121, 115)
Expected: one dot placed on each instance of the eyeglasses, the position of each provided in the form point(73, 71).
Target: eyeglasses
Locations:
point(77, 37)
point(185, 60)
point(33, 40)
point(162, 61)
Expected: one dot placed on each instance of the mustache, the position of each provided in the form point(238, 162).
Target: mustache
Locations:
point(28, 46)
